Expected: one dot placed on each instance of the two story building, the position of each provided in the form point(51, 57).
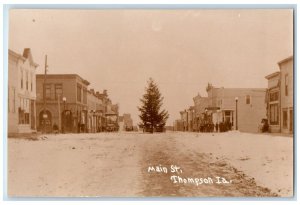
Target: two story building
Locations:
point(279, 98)
point(21, 92)
point(243, 108)
point(62, 101)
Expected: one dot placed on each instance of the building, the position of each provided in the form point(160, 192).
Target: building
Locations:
point(96, 112)
point(62, 101)
point(178, 125)
point(243, 108)
point(184, 120)
point(273, 106)
point(200, 104)
point(280, 97)
point(125, 122)
point(187, 119)
point(286, 94)
point(128, 122)
point(21, 92)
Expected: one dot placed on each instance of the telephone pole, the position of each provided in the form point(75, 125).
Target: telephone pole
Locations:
point(44, 95)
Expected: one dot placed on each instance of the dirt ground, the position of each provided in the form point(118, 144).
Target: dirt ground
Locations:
point(117, 165)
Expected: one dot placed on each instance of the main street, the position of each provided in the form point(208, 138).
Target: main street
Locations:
point(132, 164)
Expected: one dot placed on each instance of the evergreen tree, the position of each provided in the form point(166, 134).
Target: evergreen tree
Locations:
point(153, 118)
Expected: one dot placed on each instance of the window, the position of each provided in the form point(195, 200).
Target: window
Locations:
point(84, 96)
point(58, 91)
point(274, 96)
point(48, 92)
point(78, 92)
point(21, 116)
point(31, 81)
point(26, 80)
point(248, 99)
point(286, 84)
point(26, 118)
point(21, 78)
point(274, 114)
point(220, 103)
point(284, 118)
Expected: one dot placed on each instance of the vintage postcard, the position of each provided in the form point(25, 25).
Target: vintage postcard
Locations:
point(144, 102)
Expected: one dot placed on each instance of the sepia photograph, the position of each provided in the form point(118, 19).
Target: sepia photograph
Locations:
point(138, 102)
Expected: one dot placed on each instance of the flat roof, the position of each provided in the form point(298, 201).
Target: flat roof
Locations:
point(63, 76)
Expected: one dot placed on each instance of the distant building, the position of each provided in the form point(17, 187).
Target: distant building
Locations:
point(21, 92)
point(96, 112)
point(65, 102)
point(279, 99)
point(184, 119)
point(247, 104)
point(200, 104)
point(125, 122)
point(178, 125)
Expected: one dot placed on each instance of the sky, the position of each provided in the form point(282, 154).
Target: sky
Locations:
point(182, 50)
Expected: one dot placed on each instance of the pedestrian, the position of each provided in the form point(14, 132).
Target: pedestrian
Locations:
point(55, 128)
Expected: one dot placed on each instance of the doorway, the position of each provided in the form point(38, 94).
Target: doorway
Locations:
point(45, 121)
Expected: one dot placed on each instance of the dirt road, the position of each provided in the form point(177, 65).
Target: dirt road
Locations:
point(117, 165)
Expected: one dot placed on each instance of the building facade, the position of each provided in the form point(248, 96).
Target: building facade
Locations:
point(234, 108)
point(243, 108)
point(96, 112)
point(280, 106)
point(125, 122)
point(21, 92)
point(273, 101)
point(200, 105)
point(62, 103)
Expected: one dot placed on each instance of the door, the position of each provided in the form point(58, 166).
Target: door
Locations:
point(67, 121)
point(45, 121)
point(32, 114)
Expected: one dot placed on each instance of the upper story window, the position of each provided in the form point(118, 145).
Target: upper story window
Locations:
point(47, 91)
point(286, 82)
point(79, 88)
point(22, 78)
point(31, 82)
point(248, 99)
point(27, 80)
point(220, 103)
point(84, 96)
point(58, 91)
point(274, 96)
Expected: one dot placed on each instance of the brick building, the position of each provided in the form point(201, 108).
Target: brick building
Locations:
point(21, 92)
point(65, 102)
point(96, 112)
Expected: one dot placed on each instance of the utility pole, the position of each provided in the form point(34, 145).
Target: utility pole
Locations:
point(59, 113)
point(44, 95)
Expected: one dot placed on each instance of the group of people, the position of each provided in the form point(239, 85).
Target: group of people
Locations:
point(209, 126)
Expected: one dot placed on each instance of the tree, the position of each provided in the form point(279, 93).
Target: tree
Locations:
point(153, 118)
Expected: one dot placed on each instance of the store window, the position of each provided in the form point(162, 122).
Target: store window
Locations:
point(284, 118)
point(274, 117)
